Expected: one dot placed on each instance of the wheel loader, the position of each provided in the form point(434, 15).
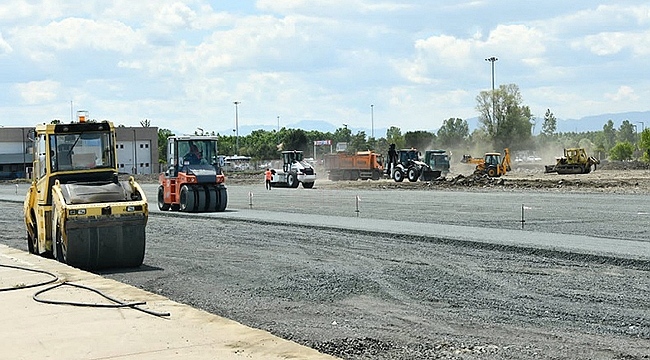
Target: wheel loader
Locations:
point(574, 161)
point(76, 209)
point(194, 180)
point(406, 163)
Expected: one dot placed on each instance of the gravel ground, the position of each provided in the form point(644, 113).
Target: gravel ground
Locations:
point(380, 296)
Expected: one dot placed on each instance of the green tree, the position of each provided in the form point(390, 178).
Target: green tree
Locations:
point(644, 145)
point(454, 132)
point(626, 132)
point(296, 139)
point(261, 145)
point(509, 125)
point(394, 136)
point(420, 140)
point(163, 134)
point(358, 142)
point(342, 135)
point(609, 135)
point(549, 126)
point(622, 151)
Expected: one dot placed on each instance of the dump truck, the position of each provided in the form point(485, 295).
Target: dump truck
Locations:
point(574, 161)
point(194, 180)
point(295, 171)
point(406, 163)
point(492, 164)
point(438, 160)
point(77, 210)
point(362, 165)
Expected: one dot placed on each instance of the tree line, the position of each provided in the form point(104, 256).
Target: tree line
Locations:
point(504, 122)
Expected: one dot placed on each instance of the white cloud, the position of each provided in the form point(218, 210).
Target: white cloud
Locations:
point(517, 41)
point(611, 43)
point(78, 34)
point(455, 55)
point(624, 93)
point(321, 59)
point(37, 92)
point(330, 7)
point(5, 48)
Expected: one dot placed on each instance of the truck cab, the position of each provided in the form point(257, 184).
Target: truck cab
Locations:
point(438, 160)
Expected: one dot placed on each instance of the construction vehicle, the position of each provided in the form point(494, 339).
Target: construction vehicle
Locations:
point(295, 170)
point(76, 209)
point(468, 159)
point(362, 165)
point(194, 180)
point(574, 161)
point(492, 164)
point(407, 164)
point(438, 160)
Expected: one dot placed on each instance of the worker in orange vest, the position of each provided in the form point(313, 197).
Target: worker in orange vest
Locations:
point(267, 177)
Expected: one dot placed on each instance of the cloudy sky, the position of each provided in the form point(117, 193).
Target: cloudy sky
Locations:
point(182, 64)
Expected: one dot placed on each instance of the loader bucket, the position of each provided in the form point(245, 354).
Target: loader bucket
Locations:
point(428, 175)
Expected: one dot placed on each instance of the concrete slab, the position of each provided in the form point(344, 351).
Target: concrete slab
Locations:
point(33, 330)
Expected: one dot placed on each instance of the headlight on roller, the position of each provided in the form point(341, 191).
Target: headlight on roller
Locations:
point(77, 212)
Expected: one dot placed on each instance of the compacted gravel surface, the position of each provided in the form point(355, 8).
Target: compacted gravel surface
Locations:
point(359, 295)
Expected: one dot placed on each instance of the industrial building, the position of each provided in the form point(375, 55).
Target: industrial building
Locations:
point(137, 151)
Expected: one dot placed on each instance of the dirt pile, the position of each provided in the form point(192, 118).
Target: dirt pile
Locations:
point(614, 177)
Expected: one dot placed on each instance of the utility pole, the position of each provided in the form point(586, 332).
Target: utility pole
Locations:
point(236, 126)
point(492, 60)
point(372, 121)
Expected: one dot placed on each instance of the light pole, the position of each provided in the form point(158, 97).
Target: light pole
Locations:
point(642, 126)
point(278, 130)
point(236, 126)
point(492, 60)
point(135, 154)
point(372, 121)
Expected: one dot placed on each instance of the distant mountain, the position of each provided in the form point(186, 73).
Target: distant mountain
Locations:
point(596, 122)
point(587, 123)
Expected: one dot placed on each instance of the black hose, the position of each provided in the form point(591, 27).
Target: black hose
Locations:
point(18, 287)
point(118, 303)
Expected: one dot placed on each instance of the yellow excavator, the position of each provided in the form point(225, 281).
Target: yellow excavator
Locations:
point(492, 164)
